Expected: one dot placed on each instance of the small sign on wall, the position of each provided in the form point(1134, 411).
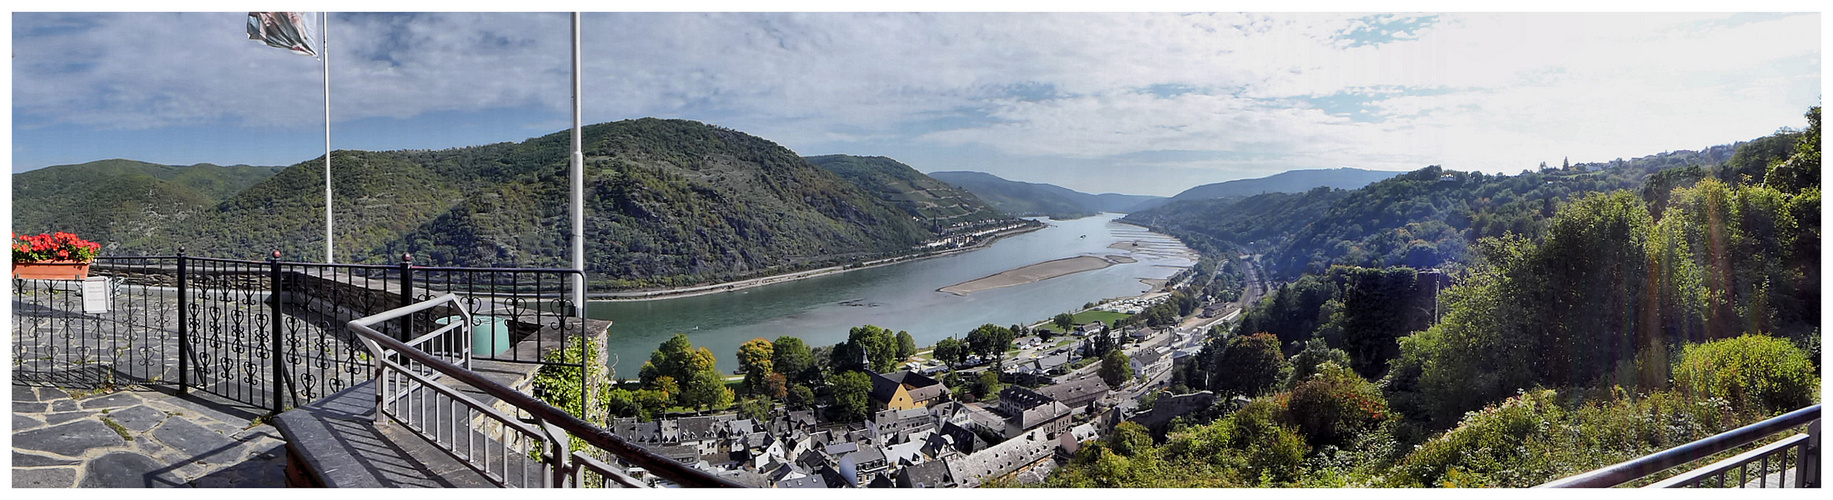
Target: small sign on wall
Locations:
point(95, 294)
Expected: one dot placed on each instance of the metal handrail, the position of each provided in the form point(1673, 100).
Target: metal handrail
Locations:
point(540, 410)
point(1654, 463)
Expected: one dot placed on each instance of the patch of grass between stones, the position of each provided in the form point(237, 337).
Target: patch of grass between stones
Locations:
point(118, 428)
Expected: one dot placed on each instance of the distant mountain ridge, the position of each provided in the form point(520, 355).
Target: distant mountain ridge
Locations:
point(1291, 181)
point(1032, 198)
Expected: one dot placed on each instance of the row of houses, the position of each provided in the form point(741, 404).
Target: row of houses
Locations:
point(917, 437)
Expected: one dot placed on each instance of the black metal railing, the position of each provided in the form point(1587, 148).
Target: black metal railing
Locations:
point(503, 447)
point(269, 333)
point(1797, 457)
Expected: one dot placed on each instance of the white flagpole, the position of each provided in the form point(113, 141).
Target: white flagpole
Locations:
point(579, 187)
point(324, 42)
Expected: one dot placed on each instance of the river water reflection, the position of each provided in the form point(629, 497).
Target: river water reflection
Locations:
point(900, 297)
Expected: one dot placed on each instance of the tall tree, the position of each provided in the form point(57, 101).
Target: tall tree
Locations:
point(1116, 368)
point(792, 358)
point(868, 347)
point(706, 390)
point(754, 357)
point(679, 359)
point(990, 339)
point(951, 351)
point(852, 396)
point(1064, 321)
point(1250, 365)
point(906, 346)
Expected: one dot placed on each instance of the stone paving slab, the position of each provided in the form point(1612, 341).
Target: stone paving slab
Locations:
point(124, 469)
point(58, 418)
point(193, 439)
point(73, 439)
point(139, 418)
point(111, 401)
point(30, 460)
point(44, 478)
point(22, 422)
point(170, 442)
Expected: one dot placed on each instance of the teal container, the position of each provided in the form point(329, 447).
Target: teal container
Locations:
point(489, 334)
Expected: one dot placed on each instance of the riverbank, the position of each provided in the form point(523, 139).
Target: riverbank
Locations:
point(641, 295)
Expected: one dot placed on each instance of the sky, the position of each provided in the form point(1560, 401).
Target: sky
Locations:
point(1098, 102)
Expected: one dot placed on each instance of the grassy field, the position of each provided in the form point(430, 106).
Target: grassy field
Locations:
point(1088, 316)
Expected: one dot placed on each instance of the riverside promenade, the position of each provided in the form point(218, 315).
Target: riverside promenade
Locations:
point(140, 438)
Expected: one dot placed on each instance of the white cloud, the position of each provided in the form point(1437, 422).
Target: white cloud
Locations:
point(1508, 90)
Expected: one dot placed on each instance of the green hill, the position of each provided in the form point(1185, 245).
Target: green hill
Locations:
point(1424, 218)
point(117, 201)
point(917, 194)
point(668, 203)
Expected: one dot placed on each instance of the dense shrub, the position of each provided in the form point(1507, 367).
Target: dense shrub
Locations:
point(1250, 366)
point(1755, 373)
point(1335, 406)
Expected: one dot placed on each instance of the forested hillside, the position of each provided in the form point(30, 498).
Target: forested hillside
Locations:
point(1424, 218)
point(1592, 314)
point(111, 201)
point(668, 202)
point(917, 194)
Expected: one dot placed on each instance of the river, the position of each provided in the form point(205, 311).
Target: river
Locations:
point(901, 296)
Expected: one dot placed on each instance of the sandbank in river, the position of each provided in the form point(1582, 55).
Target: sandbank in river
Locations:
point(1036, 272)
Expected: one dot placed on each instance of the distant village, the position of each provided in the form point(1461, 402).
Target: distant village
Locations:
point(920, 436)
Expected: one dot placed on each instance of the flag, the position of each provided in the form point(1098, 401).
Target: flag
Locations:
point(285, 30)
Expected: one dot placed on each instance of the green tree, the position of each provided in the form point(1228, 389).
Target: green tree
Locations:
point(990, 340)
point(1250, 366)
point(1315, 354)
point(1129, 439)
point(867, 347)
point(707, 389)
point(1335, 406)
point(852, 396)
point(951, 351)
point(1116, 368)
point(677, 357)
point(801, 397)
point(906, 346)
point(792, 358)
point(1800, 170)
point(987, 385)
point(755, 358)
point(665, 386)
point(1064, 321)
point(652, 402)
point(622, 403)
point(759, 409)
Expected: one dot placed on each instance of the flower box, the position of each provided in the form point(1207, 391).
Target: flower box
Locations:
point(51, 270)
point(59, 256)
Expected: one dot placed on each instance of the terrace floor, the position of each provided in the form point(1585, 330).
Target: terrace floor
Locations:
point(140, 438)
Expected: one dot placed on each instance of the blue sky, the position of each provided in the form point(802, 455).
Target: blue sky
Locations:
point(1135, 103)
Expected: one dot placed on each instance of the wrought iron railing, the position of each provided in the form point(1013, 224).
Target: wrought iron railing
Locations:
point(271, 333)
point(411, 390)
point(1796, 459)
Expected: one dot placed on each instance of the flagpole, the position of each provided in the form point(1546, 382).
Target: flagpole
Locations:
point(324, 22)
point(579, 183)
